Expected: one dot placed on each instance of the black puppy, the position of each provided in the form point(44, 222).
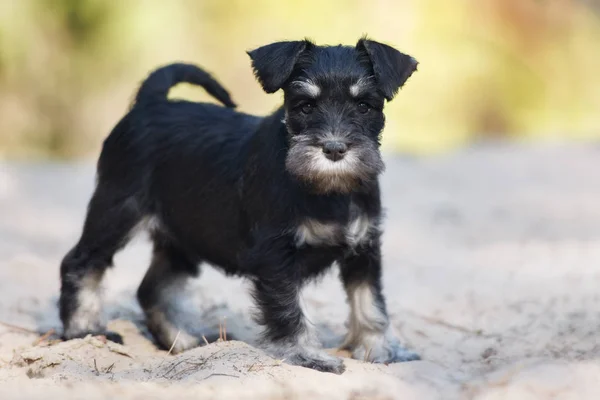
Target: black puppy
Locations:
point(277, 199)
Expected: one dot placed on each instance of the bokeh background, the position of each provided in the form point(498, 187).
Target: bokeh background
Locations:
point(500, 69)
point(491, 251)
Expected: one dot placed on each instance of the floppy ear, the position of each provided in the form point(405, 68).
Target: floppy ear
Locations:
point(391, 67)
point(273, 64)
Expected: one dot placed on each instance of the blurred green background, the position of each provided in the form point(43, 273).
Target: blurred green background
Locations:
point(516, 69)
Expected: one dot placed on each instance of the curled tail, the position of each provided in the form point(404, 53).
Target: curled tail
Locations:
point(161, 80)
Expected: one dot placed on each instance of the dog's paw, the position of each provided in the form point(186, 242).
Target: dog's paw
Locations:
point(320, 361)
point(335, 366)
point(399, 353)
point(391, 353)
point(109, 335)
point(308, 357)
point(114, 337)
point(174, 341)
point(182, 343)
point(382, 348)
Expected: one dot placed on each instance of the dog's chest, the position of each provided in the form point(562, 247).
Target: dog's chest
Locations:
point(315, 232)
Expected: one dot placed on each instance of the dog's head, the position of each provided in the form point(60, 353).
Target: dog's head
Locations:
point(334, 98)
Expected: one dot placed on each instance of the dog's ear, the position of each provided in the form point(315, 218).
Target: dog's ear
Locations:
point(273, 64)
point(391, 67)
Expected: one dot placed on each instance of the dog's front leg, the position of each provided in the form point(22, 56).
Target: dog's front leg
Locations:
point(370, 334)
point(287, 334)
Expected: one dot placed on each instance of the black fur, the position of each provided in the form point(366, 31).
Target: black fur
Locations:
point(391, 67)
point(247, 194)
point(158, 84)
point(274, 62)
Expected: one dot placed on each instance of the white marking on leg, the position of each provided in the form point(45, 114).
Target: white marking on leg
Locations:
point(162, 317)
point(153, 223)
point(149, 223)
point(307, 87)
point(167, 332)
point(87, 315)
point(364, 312)
point(358, 230)
point(370, 334)
point(314, 233)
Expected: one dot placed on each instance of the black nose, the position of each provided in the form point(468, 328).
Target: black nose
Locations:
point(335, 150)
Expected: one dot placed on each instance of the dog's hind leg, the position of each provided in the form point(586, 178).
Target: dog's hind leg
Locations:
point(111, 217)
point(159, 291)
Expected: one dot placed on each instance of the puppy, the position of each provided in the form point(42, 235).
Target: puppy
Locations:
point(275, 199)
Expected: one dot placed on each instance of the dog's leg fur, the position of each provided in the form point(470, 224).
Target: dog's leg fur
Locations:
point(158, 294)
point(370, 334)
point(287, 334)
point(110, 219)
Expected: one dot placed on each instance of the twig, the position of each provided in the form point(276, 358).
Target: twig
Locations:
point(44, 337)
point(119, 351)
point(18, 328)
point(172, 368)
point(194, 365)
point(445, 324)
point(225, 328)
point(367, 354)
point(217, 374)
point(109, 369)
point(171, 349)
point(257, 366)
point(205, 341)
point(207, 359)
point(174, 341)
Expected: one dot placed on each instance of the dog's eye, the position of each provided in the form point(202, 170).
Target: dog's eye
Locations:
point(363, 107)
point(307, 108)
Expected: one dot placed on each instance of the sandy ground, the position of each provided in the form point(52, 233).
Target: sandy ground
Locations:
point(492, 270)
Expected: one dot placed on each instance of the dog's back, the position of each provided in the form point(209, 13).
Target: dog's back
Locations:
point(169, 155)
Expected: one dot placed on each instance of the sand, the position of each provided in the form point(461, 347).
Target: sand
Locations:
point(492, 270)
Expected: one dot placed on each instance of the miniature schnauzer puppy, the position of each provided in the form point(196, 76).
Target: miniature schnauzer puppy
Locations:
point(275, 199)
